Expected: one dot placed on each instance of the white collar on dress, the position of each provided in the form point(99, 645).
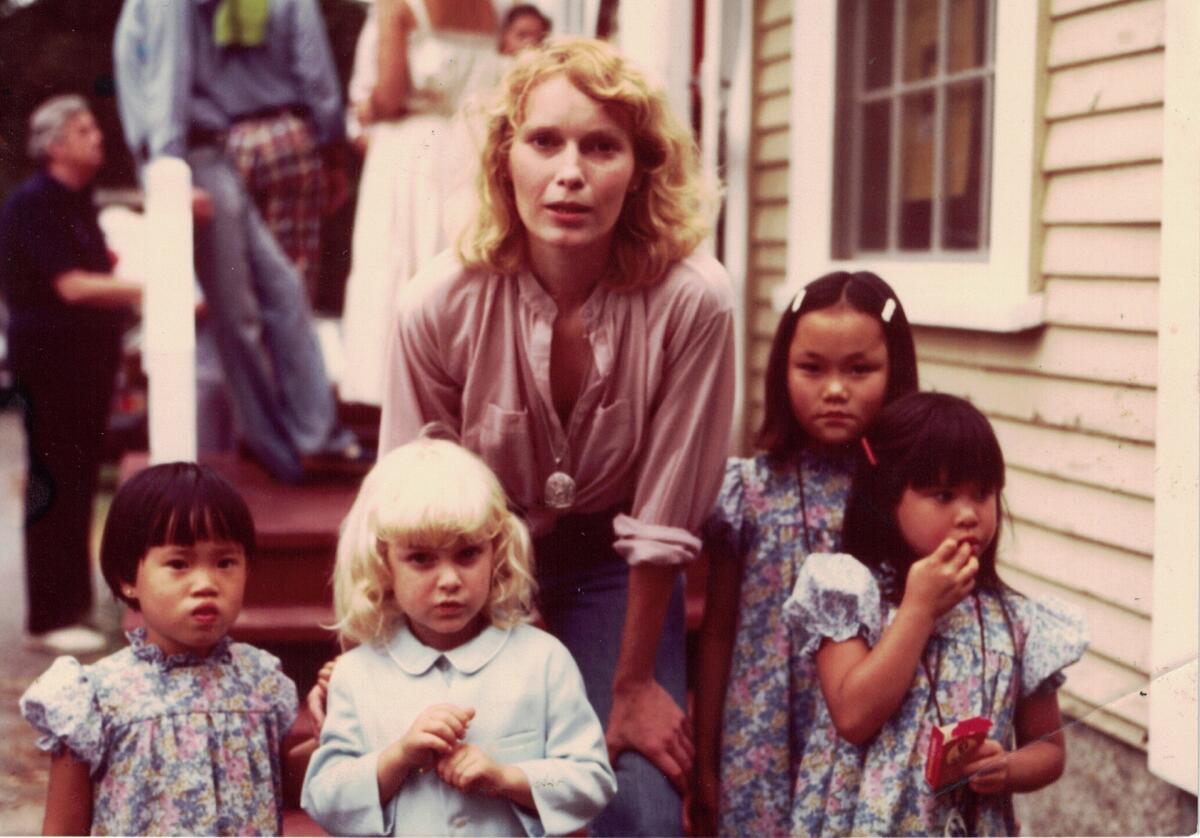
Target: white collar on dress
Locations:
point(415, 658)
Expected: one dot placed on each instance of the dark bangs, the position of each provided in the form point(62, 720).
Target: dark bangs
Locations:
point(172, 503)
point(949, 442)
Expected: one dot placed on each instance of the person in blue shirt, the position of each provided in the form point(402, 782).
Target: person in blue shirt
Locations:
point(179, 93)
point(452, 715)
point(67, 314)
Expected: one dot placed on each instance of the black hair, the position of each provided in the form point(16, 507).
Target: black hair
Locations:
point(171, 503)
point(921, 440)
point(780, 434)
point(523, 10)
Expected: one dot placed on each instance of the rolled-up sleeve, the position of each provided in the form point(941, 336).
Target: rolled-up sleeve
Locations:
point(688, 436)
point(341, 791)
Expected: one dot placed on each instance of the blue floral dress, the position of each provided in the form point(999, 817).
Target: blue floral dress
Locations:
point(880, 788)
point(177, 745)
point(769, 698)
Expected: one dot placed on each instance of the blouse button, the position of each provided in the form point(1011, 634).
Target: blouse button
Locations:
point(460, 822)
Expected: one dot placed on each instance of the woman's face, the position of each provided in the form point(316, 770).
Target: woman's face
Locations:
point(571, 164)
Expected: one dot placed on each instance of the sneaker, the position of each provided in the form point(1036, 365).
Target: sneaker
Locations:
point(72, 640)
point(345, 456)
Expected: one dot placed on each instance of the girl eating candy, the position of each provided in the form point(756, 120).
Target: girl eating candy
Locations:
point(452, 715)
point(918, 632)
point(181, 732)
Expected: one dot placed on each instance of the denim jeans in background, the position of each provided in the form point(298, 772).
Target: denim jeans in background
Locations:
point(583, 589)
point(259, 314)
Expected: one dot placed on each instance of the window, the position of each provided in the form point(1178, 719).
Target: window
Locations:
point(914, 154)
point(915, 94)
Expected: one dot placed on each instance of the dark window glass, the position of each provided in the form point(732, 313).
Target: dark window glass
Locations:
point(873, 190)
point(962, 179)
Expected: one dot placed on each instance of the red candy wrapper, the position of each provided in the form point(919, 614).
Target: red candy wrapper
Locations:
point(950, 746)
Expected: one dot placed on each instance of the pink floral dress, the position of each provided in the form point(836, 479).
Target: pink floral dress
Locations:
point(769, 699)
point(177, 745)
point(880, 788)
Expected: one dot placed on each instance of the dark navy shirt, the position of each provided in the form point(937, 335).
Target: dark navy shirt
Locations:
point(47, 229)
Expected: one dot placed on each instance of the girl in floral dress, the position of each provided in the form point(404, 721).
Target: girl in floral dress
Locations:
point(181, 732)
point(917, 633)
point(841, 351)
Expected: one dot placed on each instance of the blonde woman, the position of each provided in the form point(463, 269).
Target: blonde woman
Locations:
point(452, 715)
point(582, 347)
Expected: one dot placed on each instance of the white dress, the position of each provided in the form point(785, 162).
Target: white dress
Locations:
point(415, 191)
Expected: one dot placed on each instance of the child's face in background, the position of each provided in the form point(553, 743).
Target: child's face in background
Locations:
point(964, 512)
point(524, 31)
point(189, 596)
point(837, 373)
point(442, 590)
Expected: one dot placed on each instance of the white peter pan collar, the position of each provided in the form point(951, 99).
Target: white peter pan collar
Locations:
point(415, 658)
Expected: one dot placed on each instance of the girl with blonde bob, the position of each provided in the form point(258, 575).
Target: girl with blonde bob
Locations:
point(433, 580)
point(580, 342)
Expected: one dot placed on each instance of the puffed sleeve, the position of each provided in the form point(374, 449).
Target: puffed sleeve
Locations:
point(689, 428)
point(63, 709)
point(573, 783)
point(1054, 635)
point(418, 388)
point(724, 530)
point(285, 702)
point(837, 597)
point(340, 788)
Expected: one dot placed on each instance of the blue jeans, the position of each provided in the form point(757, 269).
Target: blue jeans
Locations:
point(583, 588)
point(258, 310)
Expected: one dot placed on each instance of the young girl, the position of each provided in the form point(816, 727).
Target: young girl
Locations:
point(181, 732)
point(452, 716)
point(841, 351)
point(919, 632)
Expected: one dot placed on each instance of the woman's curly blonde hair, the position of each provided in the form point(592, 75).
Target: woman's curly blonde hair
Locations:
point(669, 209)
point(428, 493)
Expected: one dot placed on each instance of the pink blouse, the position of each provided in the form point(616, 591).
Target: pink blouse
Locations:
point(651, 426)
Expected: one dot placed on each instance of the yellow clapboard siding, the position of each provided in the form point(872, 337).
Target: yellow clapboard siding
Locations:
point(775, 42)
point(772, 111)
point(1102, 251)
point(769, 257)
point(1104, 140)
point(774, 77)
point(1113, 575)
point(1130, 82)
point(764, 289)
point(1125, 195)
point(1113, 633)
point(1104, 462)
point(770, 184)
point(1102, 303)
point(1118, 410)
point(1116, 357)
point(1107, 697)
point(771, 146)
point(1059, 8)
point(772, 12)
point(1075, 509)
point(769, 222)
point(1107, 32)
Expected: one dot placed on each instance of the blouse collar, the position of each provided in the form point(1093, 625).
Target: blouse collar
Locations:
point(415, 658)
point(146, 651)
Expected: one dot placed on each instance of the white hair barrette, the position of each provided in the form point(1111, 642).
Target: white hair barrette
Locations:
point(889, 308)
point(798, 300)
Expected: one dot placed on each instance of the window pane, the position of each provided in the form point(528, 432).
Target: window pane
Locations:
point(916, 167)
point(920, 39)
point(968, 34)
point(962, 178)
point(876, 126)
point(877, 32)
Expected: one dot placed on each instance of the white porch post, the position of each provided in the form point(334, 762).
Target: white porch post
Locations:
point(169, 306)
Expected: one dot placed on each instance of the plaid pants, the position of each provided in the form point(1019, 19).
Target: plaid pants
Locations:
point(278, 159)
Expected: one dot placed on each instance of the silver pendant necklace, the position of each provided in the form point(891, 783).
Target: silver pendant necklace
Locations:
point(559, 492)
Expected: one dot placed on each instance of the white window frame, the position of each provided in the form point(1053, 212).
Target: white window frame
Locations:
point(998, 291)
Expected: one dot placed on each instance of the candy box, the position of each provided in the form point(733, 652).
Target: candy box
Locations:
point(950, 747)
